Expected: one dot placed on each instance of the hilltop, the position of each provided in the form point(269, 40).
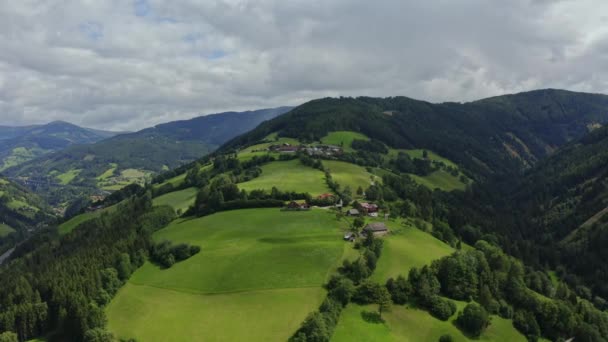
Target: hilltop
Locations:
point(21, 144)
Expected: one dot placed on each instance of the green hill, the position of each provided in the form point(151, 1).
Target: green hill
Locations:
point(110, 164)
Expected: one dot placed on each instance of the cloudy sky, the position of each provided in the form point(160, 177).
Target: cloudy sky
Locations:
point(126, 65)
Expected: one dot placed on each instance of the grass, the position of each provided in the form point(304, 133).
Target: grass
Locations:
point(405, 248)
point(5, 230)
point(343, 138)
point(288, 176)
point(153, 314)
point(108, 173)
point(410, 324)
point(260, 149)
point(72, 223)
point(347, 174)
point(440, 179)
point(179, 200)
point(179, 179)
point(125, 178)
point(258, 275)
point(417, 153)
point(66, 177)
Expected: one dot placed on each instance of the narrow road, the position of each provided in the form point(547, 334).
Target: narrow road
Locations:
point(6, 255)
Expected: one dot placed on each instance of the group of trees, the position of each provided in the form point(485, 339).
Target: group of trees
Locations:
point(495, 283)
point(166, 254)
point(350, 284)
point(60, 285)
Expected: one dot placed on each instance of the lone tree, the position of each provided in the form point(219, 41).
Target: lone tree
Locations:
point(358, 223)
point(473, 320)
point(384, 300)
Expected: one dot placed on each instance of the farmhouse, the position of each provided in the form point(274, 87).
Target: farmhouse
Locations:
point(293, 205)
point(353, 212)
point(376, 228)
point(369, 207)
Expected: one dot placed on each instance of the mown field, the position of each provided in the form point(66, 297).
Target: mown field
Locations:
point(288, 176)
point(5, 230)
point(405, 323)
point(407, 247)
point(258, 275)
point(343, 138)
point(347, 174)
point(66, 177)
point(440, 179)
point(179, 200)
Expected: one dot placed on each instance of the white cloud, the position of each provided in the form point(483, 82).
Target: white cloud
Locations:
point(127, 65)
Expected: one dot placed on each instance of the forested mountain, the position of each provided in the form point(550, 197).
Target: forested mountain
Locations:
point(113, 163)
point(491, 137)
point(20, 211)
point(556, 214)
point(21, 144)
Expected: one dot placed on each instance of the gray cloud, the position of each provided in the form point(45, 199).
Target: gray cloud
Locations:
point(128, 65)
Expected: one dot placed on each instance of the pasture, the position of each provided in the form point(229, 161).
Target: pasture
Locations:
point(440, 179)
point(258, 275)
point(343, 138)
point(66, 177)
point(5, 230)
point(72, 223)
point(347, 174)
point(179, 200)
point(405, 323)
point(288, 176)
point(407, 247)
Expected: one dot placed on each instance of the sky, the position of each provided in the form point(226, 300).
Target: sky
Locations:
point(127, 65)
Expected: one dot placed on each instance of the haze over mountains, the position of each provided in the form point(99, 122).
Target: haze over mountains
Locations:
point(86, 167)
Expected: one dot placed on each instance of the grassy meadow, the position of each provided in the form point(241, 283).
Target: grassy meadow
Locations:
point(288, 176)
point(440, 179)
point(5, 230)
point(179, 200)
point(347, 174)
point(407, 247)
point(343, 138)
point(72, 223)
point(66, 177)
point(258, 275)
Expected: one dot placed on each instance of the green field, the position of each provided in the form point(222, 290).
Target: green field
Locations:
point(288, 176)
point(125, 178)
point(72, 223)
point(417, 153)
point(440, 179)
point(108, 173)
point(349, 174)
point(343, 138)
point(260, 149)
point(404, 323)
point(179, 179)
point(179, 200)
point(66, 177)
point(5, 230)
point(258, 275)
point(407, 247)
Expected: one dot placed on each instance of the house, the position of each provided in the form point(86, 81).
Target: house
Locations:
point(353, 212)
point(369, 207)
point(349, 237)
point(293, 205)
point(325, 195)
point(376, 228)
point(374, 214)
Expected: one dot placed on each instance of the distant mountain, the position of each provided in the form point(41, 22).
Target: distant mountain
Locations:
point(493, 137)
point(115, 162)
point(21, 144)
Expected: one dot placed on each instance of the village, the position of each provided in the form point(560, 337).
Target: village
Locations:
point(313, 150)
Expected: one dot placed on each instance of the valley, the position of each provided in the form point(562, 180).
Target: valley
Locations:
point(333, 221)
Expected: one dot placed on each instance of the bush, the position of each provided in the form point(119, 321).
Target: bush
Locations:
point(441, 308)
point(166, 255)
point(446, 338)
point(473, 320)
point(367, 292)
point(400, 289)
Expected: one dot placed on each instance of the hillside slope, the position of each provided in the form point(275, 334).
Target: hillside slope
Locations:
point(496, 136)
point(112, 163)
point(21, 144)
